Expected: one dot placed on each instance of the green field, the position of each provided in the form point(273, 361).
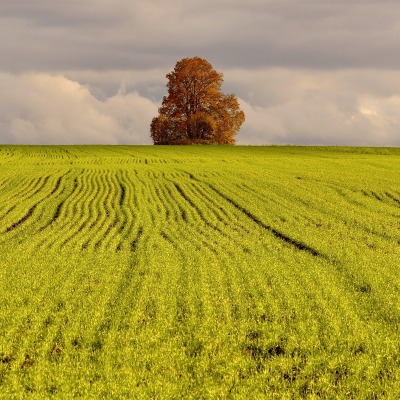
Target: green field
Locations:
point(199, 272)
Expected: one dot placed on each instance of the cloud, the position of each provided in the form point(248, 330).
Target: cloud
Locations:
point(149, 83)
point(48, 36)
point(49, 109)
point(306, 72)
point(282, 106)
point(345, 107)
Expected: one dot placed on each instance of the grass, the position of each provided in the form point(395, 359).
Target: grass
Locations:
point(199, 272)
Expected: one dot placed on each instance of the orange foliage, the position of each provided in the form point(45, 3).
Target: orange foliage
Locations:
point(195, 110)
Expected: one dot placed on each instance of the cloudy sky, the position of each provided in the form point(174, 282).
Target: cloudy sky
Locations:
point(305, 71)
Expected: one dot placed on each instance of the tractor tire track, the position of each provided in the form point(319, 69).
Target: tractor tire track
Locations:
point(22, 220)
point(279, 235)
point(32, 209)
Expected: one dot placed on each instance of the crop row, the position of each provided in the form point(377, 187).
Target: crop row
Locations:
point(205, 272)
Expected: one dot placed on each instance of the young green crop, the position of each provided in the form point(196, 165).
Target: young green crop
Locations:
point(199, 272)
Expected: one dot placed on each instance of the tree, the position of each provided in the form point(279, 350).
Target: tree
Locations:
point(195, 110)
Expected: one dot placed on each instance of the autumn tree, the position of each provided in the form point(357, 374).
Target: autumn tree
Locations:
point(195, 110)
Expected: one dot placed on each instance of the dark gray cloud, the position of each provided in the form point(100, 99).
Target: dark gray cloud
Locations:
point(125, 34)
point(306, 71)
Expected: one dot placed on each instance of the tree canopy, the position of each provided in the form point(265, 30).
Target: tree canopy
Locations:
point(195, 110)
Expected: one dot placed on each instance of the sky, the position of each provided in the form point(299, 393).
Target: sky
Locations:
point(305, 72)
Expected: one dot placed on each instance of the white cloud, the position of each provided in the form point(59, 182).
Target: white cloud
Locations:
point(344, 107)
point(282, 106)
point(307, 72)
point(48, 109)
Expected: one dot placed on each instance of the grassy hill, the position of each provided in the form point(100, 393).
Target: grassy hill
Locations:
point(199, 272)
